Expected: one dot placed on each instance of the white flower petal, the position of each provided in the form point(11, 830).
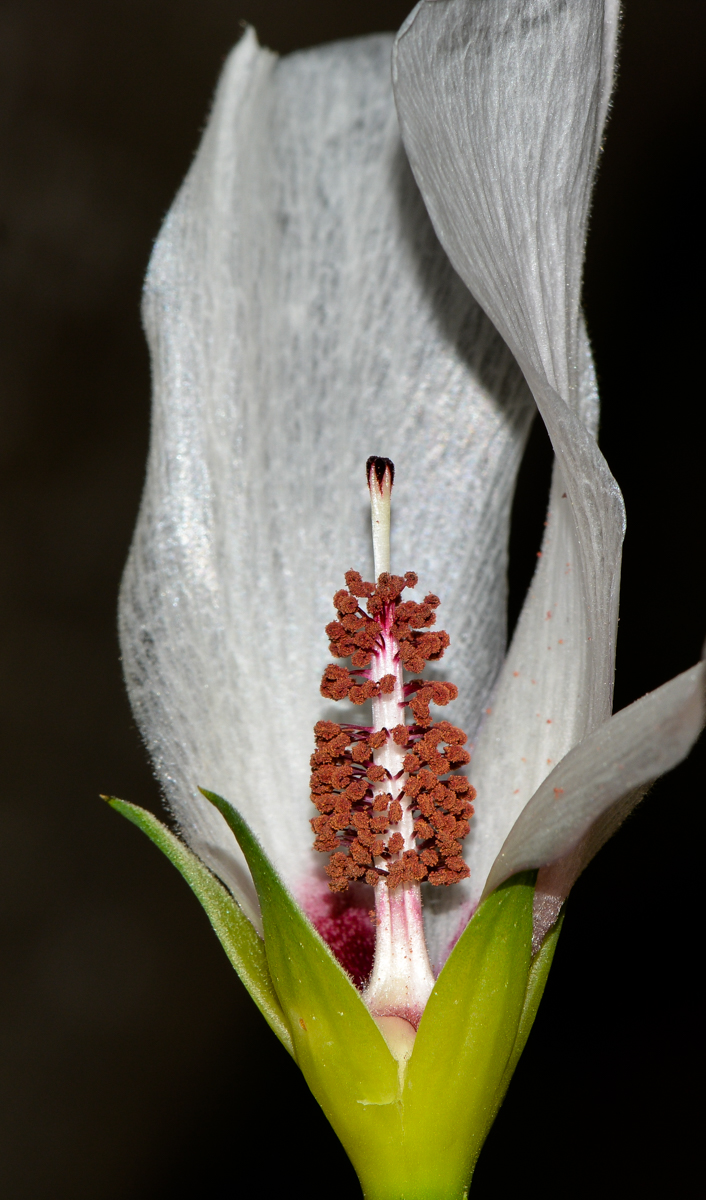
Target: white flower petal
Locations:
point(301, 316)
point(582, 802)
point(556, 682)
point(538, 711)
point(502, 107)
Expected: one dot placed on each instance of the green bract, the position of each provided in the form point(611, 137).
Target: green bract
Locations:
point(413, 1131)
point(235, 932)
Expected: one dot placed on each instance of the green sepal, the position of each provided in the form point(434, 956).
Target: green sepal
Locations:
point(539, 973)
point(236, 933)
point(338, 1046)
point(464, 1044)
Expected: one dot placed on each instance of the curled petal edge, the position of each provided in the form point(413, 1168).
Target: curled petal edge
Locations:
point(511, 214)
point(593, 789)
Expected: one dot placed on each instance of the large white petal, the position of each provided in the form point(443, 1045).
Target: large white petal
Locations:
point(502, 104)
point(301, 316)
point(556, 683)
point(502, 107)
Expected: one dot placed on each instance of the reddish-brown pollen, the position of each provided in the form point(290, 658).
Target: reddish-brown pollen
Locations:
point(354, 821)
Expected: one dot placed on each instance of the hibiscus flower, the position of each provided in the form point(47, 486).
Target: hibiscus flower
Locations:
point(311, 299)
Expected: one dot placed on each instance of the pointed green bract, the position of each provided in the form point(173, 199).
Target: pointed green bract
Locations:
point(338, 1046)
point(239, 939)
point(464, 1044)
point(539, 973)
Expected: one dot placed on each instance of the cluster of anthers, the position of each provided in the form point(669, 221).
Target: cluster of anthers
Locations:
point(390, 808)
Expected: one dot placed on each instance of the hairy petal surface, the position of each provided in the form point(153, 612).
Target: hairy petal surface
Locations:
point(502, 107)
point(556, 683)
point(301, 315)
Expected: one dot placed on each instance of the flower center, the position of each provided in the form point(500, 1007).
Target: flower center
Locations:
point(391, 811)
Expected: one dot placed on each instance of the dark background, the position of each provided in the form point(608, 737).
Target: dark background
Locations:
point(132, 1064)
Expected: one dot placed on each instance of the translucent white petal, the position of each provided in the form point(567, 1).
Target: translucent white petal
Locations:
point(581, 804)
point(301, 316)
point(556, 682)
point(502, 107)
point(541, 706)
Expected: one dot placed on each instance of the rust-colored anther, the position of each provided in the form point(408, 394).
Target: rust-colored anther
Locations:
point(355, 816)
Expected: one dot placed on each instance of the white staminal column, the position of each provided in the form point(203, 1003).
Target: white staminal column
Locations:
point(401, 979)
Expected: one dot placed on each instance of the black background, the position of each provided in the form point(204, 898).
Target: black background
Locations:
point(132, 1064)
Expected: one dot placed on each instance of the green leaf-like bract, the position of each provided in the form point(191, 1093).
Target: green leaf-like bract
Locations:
point(239, 939)
point(337, 1044)
point(465, 1042)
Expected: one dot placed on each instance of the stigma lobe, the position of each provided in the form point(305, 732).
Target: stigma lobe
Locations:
point(378, 466)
